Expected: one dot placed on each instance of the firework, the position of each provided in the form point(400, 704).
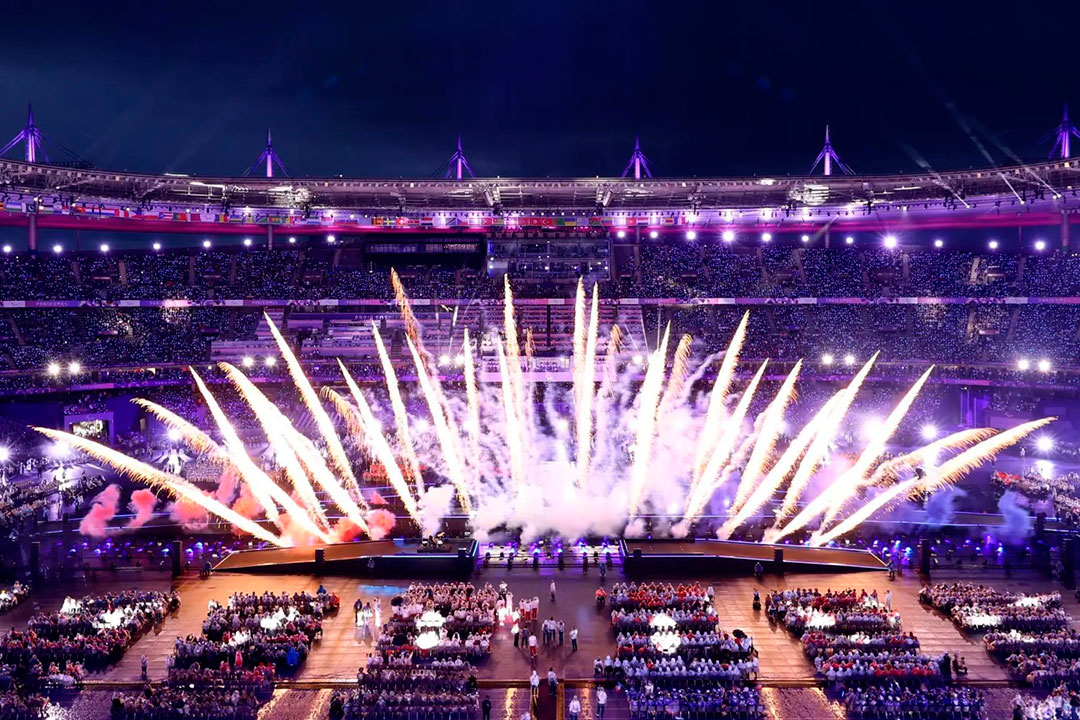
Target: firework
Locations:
point(816, 451)
point(771, 426)
point(311, 401)
point(946, 474)
point(649, 398)
point(584, 398)
point(175, 486)
point(401, 416)
point(472, 399)
point(714, 415)
point(195, 438)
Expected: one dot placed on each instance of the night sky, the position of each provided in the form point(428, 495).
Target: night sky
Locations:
point(551, 88)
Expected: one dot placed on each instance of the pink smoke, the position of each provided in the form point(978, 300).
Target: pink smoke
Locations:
point(246, 504)
point(380, 523)
point(375, 498)
point(226, 489)
point(96, 522)
point(142, 504)
point(344, 531)
point(188, 515)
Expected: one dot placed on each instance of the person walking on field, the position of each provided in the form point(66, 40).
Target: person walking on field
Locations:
point(573, 640)
point(552, 591)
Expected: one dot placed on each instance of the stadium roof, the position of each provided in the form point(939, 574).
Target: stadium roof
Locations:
point(1052, 180)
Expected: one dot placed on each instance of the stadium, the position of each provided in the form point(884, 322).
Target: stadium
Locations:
point(464, 403)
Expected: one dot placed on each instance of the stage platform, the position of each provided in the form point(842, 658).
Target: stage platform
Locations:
point(369, 558)
point(649, 558)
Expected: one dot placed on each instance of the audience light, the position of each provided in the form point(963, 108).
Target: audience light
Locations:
point(248, 361)
point(849, 240)
point(206, 244)
point(653, 234)
point(827, 359)
point(74, 367)
point(691, 234)
point(939, 243)
point(929, 432)
point(849, 359)
point(728, 235)
point(270, 361)
point(1040, 245)
point(53, 369)
point(766, 237)
point(58, 248)
point(1044, 443)
point(156, 246)
point(247, 242)
point(104, 247)
point(890, 241)
point(1023, 364)
point(1044, 365)
point(7, 249)
point(620, 234)
point(993, 245)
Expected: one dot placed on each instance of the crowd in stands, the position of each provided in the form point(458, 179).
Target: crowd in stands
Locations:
point(58, 648)
point(977, 608)
point(671, 653)
point(423, 664)
point(229, 671)
point(11, 598)
point(1062, 703)
point(854, 640)
point(1030, 633)
point(439, 622)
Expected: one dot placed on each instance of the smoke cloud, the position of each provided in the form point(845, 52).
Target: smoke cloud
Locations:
point(142, 504)
point(105, 503)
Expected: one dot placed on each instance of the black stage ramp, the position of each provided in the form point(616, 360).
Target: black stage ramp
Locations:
point(365, 558)
point(645, 558)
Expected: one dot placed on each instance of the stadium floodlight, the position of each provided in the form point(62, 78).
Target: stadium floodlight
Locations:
point(248, 361)
point(5, 454)
point(766, 237)
point(653, 234)
point(104, 247)
point(206, 244)
point(728, 236)
point(620, 234)
point(638, 359)
point(331, 239)
point(805, 238)
point(58, 248)
point(890, 241)
point(849, 359)
point(270, 361)
point(247, 242)
point(156, 246)
point(74, 367)
point(849, 240)
point(292, 240)
point(173, 435)
point(1040, 245)
point(827, 359)
point(7, 249)
point(1044, 443)
point(444, 360)
point(993, 245)
point(1023, 364)
point(691, 235)
point(1044, 365)
point(53, 369)
point(929, 432)
point(939, 243)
